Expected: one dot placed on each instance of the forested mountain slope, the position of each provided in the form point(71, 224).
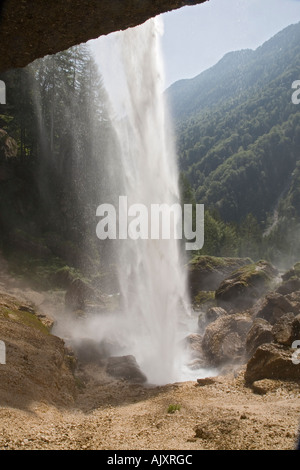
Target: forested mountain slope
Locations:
point(238, 132)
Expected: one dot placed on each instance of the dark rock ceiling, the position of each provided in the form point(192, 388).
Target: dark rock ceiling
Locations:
point(30, 29)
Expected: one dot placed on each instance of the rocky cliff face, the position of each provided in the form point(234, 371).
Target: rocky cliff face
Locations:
point(30, 30)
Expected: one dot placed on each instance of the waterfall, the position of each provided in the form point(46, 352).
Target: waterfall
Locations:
point(151, 273)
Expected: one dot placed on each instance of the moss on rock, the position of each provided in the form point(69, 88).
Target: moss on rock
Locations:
point(206, 272)
point(245, 285)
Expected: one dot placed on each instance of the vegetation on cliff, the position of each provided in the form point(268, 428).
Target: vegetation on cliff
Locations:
point(238, 136)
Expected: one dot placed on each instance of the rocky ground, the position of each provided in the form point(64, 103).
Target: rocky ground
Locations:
point(49, 402)
point(110, 414)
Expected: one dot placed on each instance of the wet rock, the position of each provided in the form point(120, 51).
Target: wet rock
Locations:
point(193, 343)
point(294, 272)
point(289, 286)
point(261, 387)
point(44, 319)
point(283, 329)
point(296, 328)
point(211, 315)
point(206, 272)
point(294, 298)
point(91, 351)
point(67, 23)
point(246, 285)
point(206, 381)
point(224, 339)
point(274, 306)
point(26, 308)
point(204, 300)
point(125, 367)
point(272, 361)
point(259, 333)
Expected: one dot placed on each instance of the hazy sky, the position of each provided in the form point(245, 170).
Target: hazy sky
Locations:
point(196, 37)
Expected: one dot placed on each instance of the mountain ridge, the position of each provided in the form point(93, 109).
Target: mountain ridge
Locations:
point(238, 58)
point(238, 139)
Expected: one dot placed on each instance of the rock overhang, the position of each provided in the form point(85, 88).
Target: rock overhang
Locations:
point(30, 30)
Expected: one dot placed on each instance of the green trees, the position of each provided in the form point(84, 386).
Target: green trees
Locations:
point(238, 142)
point(17, 115)
point(57, 113)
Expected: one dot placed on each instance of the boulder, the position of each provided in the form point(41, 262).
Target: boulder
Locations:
point(274, 306)
point(259, 333)
point(272, 361)
point(261, 387)
point(294, 298)
point(207, 381)
point(246, 285)
point(206, 272)
point(283, 330)
point(204, 300)
point(205, 318)
point(224, 339)
point(294, 272)
point(125, 367)
point(91, 351)
point(296, 328)
point(193, 343)
point(289, 286)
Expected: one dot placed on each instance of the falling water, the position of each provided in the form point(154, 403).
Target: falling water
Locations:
point(152, 278)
